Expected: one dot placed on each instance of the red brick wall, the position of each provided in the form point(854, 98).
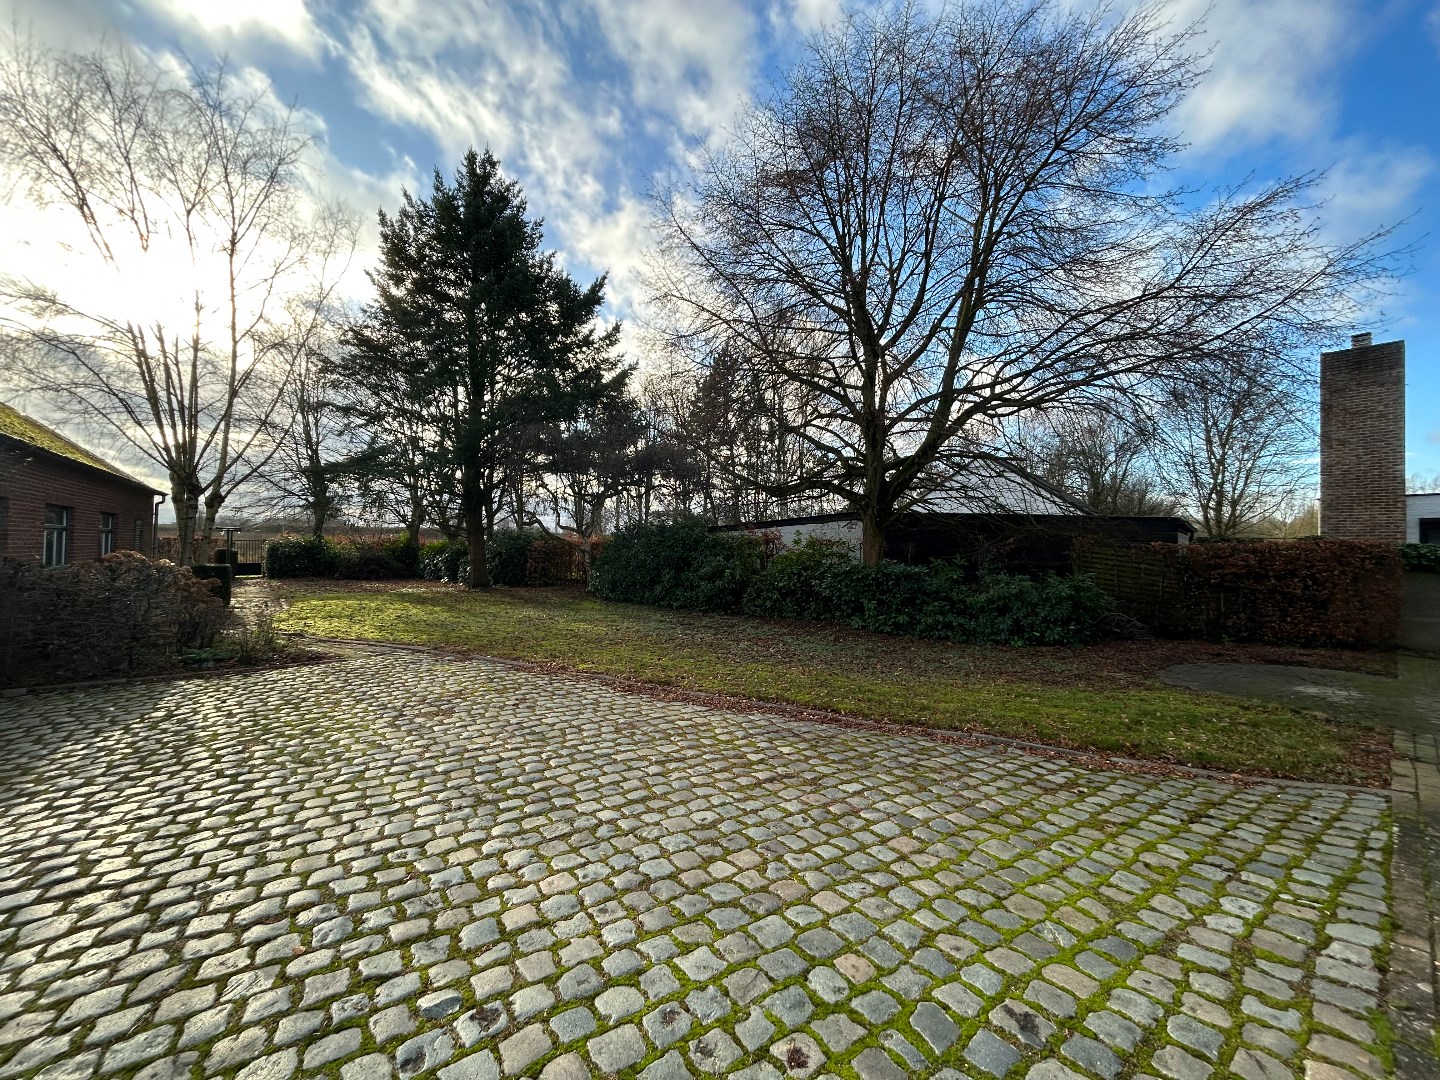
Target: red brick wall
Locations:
point(1362, 443)
point(31, 479)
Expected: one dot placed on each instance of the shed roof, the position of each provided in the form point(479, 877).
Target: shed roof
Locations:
point(26, 429)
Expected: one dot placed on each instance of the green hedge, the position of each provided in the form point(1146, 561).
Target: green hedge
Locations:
point(507, 555)
point(680, 565)
point(1423, 557)
point(444, 560)
point(685, 565)
point(352, 557)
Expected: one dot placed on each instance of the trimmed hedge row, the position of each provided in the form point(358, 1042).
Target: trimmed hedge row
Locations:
point(352, 557)
point(685, 565)
point(1281, 592)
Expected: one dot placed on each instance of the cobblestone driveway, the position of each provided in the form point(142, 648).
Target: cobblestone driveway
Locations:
point(399, 865)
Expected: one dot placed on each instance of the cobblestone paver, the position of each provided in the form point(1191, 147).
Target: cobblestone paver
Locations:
point(404, 866)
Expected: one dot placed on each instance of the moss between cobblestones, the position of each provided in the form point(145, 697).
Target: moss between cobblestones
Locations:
point(930, 684)
point(928, 824)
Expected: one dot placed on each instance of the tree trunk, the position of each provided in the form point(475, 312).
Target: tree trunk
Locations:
point(212, 512)
point(187, 511)
point(416, 518)
point(319, 511)
point(479, 575)
point(872, 538)
point(473, 509)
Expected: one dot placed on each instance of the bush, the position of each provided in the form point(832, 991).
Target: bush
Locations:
point(359, 558)
point(297, 556)
point(444, 560)
point(556, 560)
point(688, 566)
point(680, 565)
point(1014, 610)
point(507, 555)
point(1422, 557)
point(1278, 592)
point(120, 615)
point(813, 579)
point(821, 580)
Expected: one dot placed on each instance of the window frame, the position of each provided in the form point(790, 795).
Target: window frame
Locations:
point(55, 545)
point(109, 524)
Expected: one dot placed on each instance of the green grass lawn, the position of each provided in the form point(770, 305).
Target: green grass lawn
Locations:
point(1096, 698)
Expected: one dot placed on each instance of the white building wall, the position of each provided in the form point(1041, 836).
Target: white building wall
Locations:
point(1417, 507)
point(848, 532)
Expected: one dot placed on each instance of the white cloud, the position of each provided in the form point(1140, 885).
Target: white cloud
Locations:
point(1271, 64)
point(1372, 185)
point(471, 72)
point(690, 61)
point(226, 25)
point(807, 16)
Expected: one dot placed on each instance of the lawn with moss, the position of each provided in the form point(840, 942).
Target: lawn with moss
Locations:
point(1094, 698)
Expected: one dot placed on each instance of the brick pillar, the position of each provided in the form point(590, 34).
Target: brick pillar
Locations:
point(1362, 441)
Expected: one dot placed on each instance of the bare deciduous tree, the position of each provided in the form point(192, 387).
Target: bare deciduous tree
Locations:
point(189, 188)
point(1232, 447)
point(938, 223)
point(1104, 457)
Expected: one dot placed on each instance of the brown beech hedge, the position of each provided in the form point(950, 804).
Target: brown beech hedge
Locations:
point(1282, 592)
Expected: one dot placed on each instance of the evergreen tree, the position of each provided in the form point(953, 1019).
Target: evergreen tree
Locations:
point(476, 334)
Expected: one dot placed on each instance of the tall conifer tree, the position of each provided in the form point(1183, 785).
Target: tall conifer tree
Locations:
point(488, 336)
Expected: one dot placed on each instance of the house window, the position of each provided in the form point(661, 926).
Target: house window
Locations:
point(139, 535)
point(4, 525)
point(107, 533)
point(57, 536)
point(1430, 530)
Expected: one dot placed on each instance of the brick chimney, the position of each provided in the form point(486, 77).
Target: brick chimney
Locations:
point(1362, 441)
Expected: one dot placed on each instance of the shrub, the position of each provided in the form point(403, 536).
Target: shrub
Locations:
point(360, 558)
point(1421, 557)
point(678, 565)
point(821, 580)
point(297, 556)
point(120, 615)
point(444, 560)
point(687, 566)
point(556, 560)
point(507, 555)
point(813, 579)
point(1278, 592)
point(1013, 610)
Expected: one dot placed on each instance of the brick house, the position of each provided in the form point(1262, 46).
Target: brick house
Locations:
point(60, 503)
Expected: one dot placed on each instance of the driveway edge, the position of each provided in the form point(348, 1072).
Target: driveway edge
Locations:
point(1412, 975)
point(1095, 759)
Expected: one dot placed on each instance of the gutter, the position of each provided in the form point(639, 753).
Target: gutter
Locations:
point(155, 522)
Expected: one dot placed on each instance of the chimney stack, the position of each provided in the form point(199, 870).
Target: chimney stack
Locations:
point(1362, 441)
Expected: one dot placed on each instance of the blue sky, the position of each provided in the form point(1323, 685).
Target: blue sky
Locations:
point(586, 100)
